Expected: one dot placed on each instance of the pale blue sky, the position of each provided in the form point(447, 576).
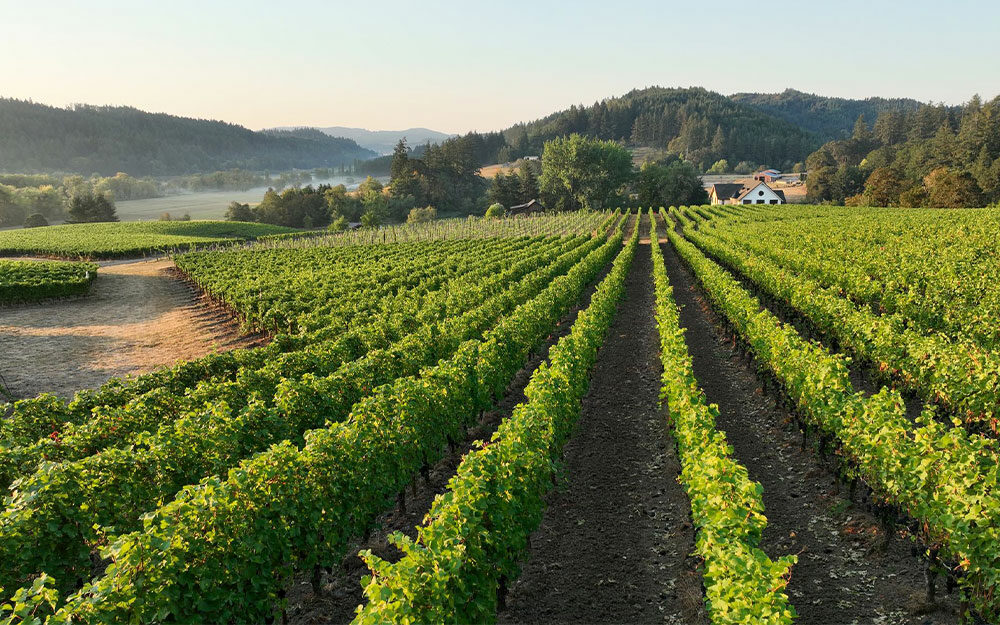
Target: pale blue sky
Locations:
point(457, 66)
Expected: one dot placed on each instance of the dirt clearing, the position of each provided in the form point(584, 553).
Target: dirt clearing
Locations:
point(138, 316)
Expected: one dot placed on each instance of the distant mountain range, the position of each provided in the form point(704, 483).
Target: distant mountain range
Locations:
point(700, 125)
point(381, 141)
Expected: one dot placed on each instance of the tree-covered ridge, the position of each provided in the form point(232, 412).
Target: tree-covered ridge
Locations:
point(936, 156)
point(697, 124)
point(828, 118)
point(110, 139)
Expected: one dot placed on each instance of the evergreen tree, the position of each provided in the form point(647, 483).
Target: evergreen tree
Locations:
point(889, 128)
point(505, 189)
point(944, 147)
point(91, 207)
point(400, 166)
point(718, 143)
point(527, 182)
point(861, 132)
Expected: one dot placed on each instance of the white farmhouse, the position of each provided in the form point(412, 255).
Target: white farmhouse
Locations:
point(751, 193)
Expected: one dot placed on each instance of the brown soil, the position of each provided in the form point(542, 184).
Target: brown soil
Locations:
point(846, 573)
point(614, 544)
point(341, 590)
point(138, 316)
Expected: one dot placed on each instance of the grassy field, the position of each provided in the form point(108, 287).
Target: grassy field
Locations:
point(206, 205)
point(490, 171)
point(127, 239)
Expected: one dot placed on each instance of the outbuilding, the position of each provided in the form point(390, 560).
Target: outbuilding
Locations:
point(534, 206)
point(768, 175)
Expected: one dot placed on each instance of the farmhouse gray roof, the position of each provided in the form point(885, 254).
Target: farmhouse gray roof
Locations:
point(727, 190)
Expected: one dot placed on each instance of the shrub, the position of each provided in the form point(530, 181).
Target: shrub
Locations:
point(369, 219)
point(421, 215)
point(720, 166)
point(338, 225)
point(239, 212)
point(495, 211)
point(35, 220)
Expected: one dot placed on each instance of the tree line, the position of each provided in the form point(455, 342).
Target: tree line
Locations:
point(574, 173)
point(35, 200)
point(695, 125)
point(332, 206)
point(933, 156)
point(828, 118)
point(49, 197)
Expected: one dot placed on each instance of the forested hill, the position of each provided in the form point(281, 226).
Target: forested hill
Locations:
point(828, 118)
point(105, 139)
point(700, 125)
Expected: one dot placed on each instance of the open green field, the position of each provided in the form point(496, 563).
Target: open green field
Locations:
point(127, 239)
point(202, 205)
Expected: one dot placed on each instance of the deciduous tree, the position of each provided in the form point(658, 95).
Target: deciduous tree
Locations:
point(948, 188)
point(578, 172)
point(673, 184)
point(883, 187)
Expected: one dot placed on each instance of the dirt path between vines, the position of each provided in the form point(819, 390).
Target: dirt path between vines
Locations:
point(841, 576)
point(614, 542)
point(138, 316)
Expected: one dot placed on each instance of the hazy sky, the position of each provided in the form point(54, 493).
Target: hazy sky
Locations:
point(458, 66)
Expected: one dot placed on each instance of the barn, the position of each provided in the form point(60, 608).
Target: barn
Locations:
point(768, 175)
point(735, 193)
